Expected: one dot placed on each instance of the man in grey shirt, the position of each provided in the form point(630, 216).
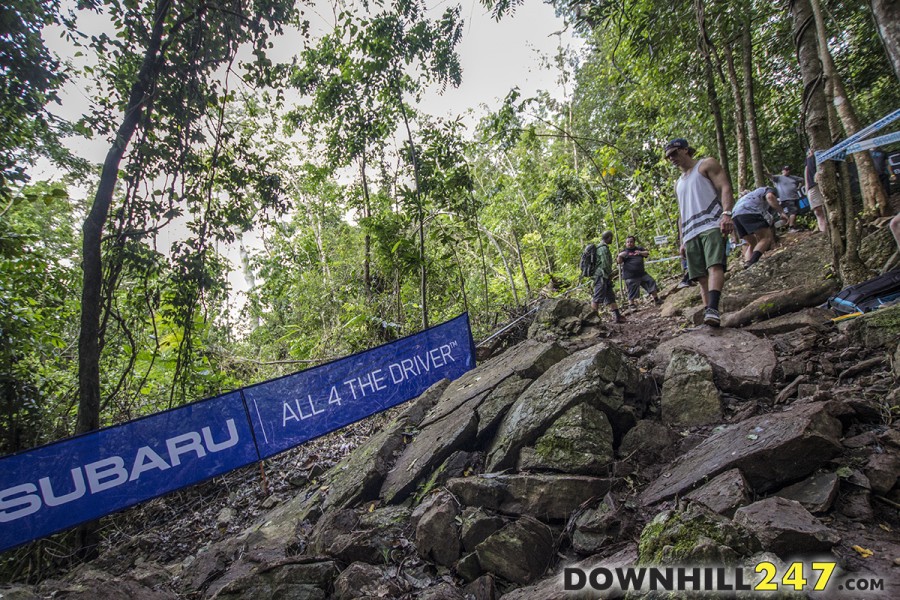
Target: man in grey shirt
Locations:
point(752, 223)
point(788, 187)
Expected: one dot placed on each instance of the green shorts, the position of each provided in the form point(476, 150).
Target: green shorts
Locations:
point(704, 251)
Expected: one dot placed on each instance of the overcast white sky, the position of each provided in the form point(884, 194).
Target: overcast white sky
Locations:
point(495, 57)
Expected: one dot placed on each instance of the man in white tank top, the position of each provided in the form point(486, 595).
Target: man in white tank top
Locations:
point(705, 200)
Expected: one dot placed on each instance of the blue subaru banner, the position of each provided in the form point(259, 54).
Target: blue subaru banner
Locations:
point(60, 485)
point(73, 481)
point(288, 411)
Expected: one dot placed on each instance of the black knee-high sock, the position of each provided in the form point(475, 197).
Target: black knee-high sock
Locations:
point(714, 296)
point(754, 257)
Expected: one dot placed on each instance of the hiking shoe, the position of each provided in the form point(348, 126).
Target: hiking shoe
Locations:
point(619, 319)
point(711, 317)
point(683, 284)
point(793, 230)
point(657, 301)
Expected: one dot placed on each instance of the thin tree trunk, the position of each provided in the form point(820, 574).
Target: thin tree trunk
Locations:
point(89, 337)
point(756, 159)
point(887, 18)
point(739, 119)
point(484, 279)
point(815, 113)
point(712, 96)
point(89, 342)
point(521, 264)
point(874, 199)
point(367, 275)
point(509, 273)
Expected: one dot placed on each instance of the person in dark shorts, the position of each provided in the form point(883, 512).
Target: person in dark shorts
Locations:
point(751, 220)
point(634, 274)
point(604, 294)
point(705, 200)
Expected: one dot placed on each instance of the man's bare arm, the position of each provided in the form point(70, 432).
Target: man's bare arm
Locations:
point(712, 170)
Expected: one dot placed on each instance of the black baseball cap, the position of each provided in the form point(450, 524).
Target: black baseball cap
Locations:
point(676, 144)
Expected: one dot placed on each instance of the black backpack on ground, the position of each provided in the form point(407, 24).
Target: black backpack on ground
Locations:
point(588, 264)
point(868, 295)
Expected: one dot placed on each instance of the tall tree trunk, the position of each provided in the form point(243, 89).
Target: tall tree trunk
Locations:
point(712, 96)
point(521, 264)
point(874, 199)
point(89, 343)
point(739, 119)
point(367, 273)
point(756, 159)
point(887, 17)
point(509, 273)
point(815, 114)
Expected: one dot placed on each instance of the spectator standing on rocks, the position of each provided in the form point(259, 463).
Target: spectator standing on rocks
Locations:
point(813, 192)
point(752, 224)
point(788, 187)
point(879, 160)
point(634, 274)
point(603, 288)
point(705, 201)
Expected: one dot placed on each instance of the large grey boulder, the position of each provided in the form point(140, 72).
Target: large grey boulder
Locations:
point(816, 494)
point(600, 376)
point(742, 363)
point(647, 442)
point(429, 449)
point(786, 528)
point(520, 552)
point(452, 424)
point(359, 475)
point(689, 396)
point(495, 405)
point(546, 497)
point(476, 525)
point(600, 526)
point(877, 329)
point(437, 530)
point(528, 360)
point(579, 441)
point(769, 450)
point(360, 535)
point(726, 493)
point(558, 318)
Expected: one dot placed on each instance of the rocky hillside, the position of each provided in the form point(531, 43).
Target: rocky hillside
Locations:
point(652, 442)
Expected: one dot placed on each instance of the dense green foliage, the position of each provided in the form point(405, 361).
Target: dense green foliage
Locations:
point(371, 214)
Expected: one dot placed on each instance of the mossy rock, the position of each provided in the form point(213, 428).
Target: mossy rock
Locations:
point(694, 536)
point(879, 328)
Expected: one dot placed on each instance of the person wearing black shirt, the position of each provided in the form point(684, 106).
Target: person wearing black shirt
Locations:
point(632, 261)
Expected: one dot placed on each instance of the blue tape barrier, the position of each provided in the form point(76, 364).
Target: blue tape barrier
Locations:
point(883, 140)
point(839, 151)
point(289, 411)
point(60, 485)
